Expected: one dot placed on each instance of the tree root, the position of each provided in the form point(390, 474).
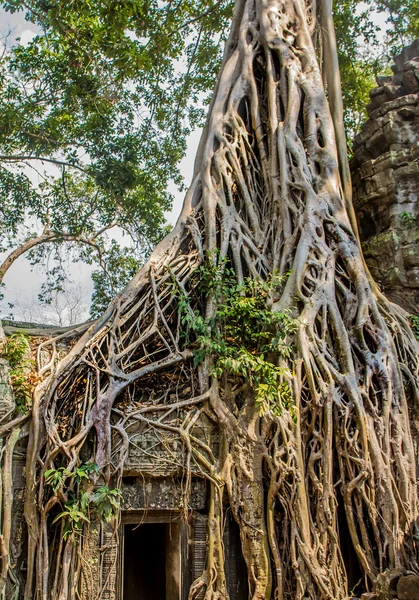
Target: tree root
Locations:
point(266, 197)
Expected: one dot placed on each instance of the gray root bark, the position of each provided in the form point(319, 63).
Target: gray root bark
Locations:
point(267, 196)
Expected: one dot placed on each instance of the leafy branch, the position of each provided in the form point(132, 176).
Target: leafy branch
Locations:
point(105, 502)
point(244, 337)
point(23, 378)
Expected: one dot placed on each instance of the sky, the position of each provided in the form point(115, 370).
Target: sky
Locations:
point(22, 282)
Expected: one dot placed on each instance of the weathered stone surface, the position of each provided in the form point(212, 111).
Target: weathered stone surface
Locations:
point(386, 181)
point(385, 586)
point(408, 588)
point(7, 403)
point(407, 54)
point(368, 596)
point(90, 575)
point(163, 454)
point(162, 494)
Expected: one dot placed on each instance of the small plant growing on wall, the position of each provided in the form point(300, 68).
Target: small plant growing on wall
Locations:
point(77, 502)
point(414, 323)
point(16, 351)
point(407, 219)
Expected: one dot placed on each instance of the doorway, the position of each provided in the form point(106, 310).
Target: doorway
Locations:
point(151, 561)
point(145, 562)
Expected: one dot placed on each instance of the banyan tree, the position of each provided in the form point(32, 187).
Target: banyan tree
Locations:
point(256, 314)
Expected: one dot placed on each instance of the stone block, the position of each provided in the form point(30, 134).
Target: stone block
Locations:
point(162, 494)
point(410, 65)
point(151, 454)
point(410, 255)
point(392, 91)
point(408, 588)
point(90, 574)
point(410, 82)
point(368, 596)
point(386, 181)
point(385, 585)
point(384, 80)
point(7, 403)
point(411, 52)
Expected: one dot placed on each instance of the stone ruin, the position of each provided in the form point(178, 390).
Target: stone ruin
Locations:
point(385, 170)
point(155, 525)
point(161, 545)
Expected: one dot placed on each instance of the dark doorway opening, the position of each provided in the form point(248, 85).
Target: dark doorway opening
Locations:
point(145, 561)
point(350, 559)
point(235, 567)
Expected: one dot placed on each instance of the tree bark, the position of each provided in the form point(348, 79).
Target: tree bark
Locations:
point(266, 198)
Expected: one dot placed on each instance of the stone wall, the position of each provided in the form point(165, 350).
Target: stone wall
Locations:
point(385, 171)
point(7, 403)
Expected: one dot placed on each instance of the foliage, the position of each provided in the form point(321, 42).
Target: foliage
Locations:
point(16, 351)
point(244, 337)
point(106, 93)
point(77, 508)
point(356, 37)
point(403, 20)
point(407, 219)
point(56, 477)
point(359, 59)
point(361, 56)
point(414, 323)
point(106, 502)
point(72, 518)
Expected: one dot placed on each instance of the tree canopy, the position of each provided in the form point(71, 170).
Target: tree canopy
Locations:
point(106, 93)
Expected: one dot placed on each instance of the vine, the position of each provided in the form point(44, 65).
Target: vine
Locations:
point(77, 502)
point(243, 337)
point(23, 376)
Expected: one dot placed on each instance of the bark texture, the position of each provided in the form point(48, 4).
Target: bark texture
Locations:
point(266, 196)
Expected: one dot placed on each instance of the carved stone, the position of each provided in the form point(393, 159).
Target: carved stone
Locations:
point(163, 494)
point(385, 171)
point(7, 403)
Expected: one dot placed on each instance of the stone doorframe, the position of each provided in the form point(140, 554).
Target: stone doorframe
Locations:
point(186, 550)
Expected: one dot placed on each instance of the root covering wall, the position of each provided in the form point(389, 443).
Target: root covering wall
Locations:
point(266, 200)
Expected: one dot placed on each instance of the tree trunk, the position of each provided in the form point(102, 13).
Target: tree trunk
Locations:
point(266, 197)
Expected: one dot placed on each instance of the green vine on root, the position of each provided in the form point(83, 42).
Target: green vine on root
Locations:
point(244, 337)
point(22, 370)
point(79, 499)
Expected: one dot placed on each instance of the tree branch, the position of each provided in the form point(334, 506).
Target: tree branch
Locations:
point(45, 238)
point(54, 161)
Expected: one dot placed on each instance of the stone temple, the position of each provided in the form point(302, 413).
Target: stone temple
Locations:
point(385, 171)
point(161, 543)
point(160, 548)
